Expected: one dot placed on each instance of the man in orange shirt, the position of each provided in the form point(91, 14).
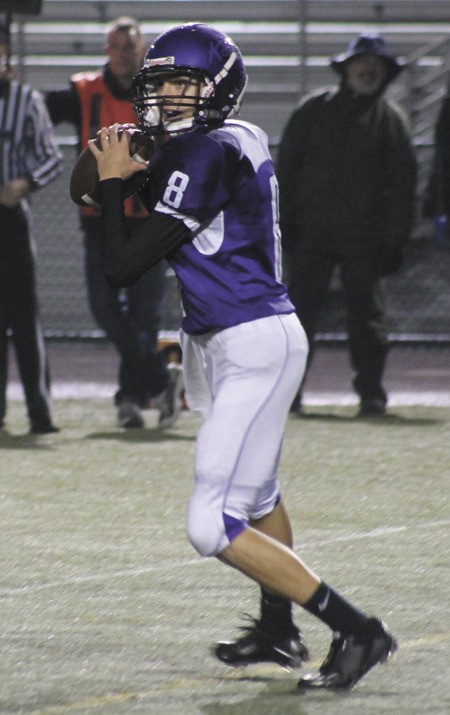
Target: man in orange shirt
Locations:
point(130, 317)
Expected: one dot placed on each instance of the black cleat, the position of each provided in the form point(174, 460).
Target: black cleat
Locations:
point(256, 646)
point(352, 656)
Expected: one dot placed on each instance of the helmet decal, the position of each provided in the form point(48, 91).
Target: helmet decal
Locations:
point(158, 61)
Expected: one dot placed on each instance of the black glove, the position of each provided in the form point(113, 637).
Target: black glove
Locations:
point(389, 260)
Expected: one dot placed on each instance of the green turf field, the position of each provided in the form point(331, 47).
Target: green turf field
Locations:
point(106, 609)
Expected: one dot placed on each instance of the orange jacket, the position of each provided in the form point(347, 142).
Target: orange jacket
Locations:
point(99, 108)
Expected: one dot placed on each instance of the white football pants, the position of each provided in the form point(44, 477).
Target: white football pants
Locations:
point(243, 380)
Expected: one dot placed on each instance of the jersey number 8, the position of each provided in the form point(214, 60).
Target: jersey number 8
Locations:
point(175, 188)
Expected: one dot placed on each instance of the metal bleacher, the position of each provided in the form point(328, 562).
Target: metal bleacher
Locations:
point(287, 45)
point(284, 57)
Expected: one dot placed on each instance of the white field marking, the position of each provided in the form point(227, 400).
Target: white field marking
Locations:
point(93, 578)
point(374, 533)
point(136, 573)
point(105, 390)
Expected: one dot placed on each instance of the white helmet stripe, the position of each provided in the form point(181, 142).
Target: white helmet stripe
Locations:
point(226, 68)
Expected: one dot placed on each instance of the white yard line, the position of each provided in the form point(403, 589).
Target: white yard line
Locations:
point(348, 537)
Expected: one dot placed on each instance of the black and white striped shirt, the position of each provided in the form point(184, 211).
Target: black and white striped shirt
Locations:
point(28, 147)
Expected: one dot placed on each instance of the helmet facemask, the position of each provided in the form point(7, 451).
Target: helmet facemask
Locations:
point(176, 111)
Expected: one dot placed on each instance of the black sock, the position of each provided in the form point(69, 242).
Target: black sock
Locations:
point(276, 614)
point(327, 605)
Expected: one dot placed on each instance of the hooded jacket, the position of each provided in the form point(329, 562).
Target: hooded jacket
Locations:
point(347, 173)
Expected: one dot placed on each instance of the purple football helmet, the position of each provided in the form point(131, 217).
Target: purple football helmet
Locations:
point(214, 80)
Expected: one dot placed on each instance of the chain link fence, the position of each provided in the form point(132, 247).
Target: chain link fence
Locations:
point(418, 298)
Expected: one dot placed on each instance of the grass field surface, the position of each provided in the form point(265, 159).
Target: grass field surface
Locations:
point(107, 610)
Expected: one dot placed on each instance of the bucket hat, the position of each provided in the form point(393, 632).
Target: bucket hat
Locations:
point(369, 44)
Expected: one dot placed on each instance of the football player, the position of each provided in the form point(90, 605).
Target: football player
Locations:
point(212, 197)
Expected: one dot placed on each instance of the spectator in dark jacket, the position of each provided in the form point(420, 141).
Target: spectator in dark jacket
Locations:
point(347, 173)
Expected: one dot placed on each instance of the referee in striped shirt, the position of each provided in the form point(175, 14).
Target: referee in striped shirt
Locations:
point(29, 159)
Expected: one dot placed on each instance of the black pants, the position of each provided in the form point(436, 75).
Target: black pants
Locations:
point(19, 314)
point(130, 317)
point(364, 301)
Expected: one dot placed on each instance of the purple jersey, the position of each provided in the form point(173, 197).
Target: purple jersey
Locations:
point(223, 187)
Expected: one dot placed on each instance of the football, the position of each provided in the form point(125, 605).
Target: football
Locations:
point(84, 178)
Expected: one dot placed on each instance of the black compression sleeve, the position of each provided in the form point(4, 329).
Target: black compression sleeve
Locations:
point(126, 258)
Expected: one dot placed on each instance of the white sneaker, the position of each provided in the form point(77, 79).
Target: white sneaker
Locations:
point(170, 400)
